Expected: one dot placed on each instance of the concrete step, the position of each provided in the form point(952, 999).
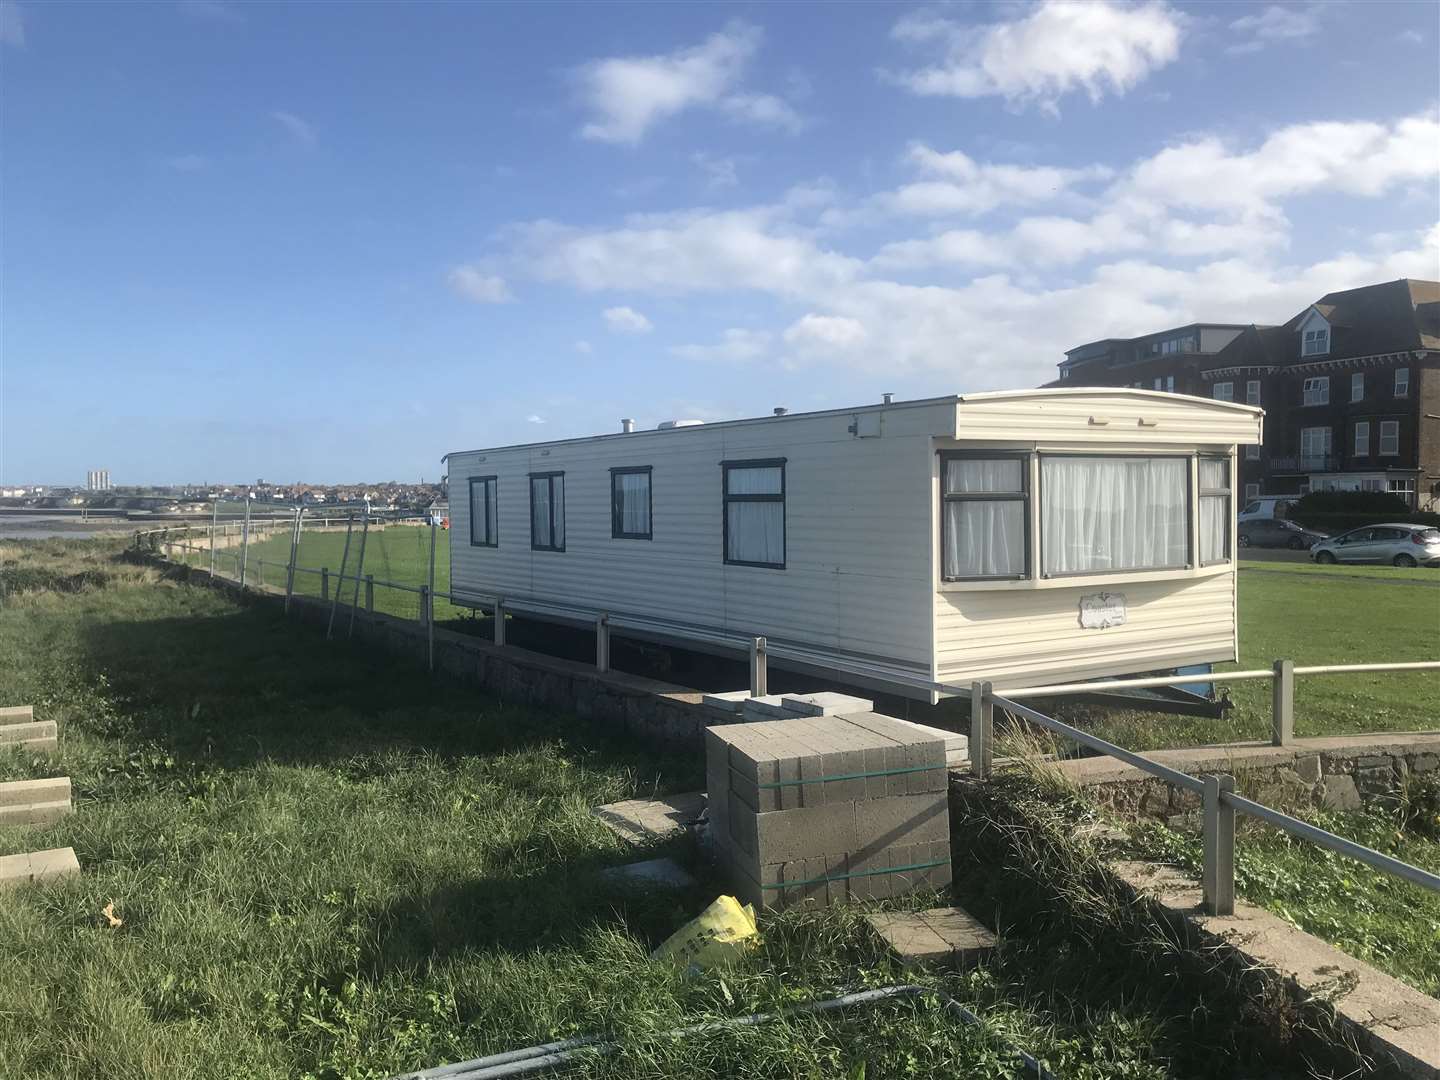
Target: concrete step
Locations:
point(24, 792)
point(17, 714)
point(38, 866)
point(37, 735)
point(34, 813)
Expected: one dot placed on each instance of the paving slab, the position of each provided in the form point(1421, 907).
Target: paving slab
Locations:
point(826, 704)
point(36, 735)
point(24, 792)
point(647, 821)
point(731, 700)
point(938, 937)
point(648, 876)
point(40, 813)
point(37, 866)
point(17, 714)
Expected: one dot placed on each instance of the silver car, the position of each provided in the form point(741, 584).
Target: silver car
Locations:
point(1395, 545)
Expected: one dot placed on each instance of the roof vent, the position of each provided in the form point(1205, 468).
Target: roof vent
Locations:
point(887, 398)
point(780, 410)
point(668, 425)
point(627, 425)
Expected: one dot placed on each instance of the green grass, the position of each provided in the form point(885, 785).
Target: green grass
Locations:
point(1427, 574)
point(1314, 616)
point(1378, 918)
point(330, 865)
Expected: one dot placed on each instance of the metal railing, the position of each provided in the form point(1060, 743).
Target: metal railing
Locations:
point(1219, 802)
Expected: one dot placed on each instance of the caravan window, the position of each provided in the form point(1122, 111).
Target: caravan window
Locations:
point(547, 511)
point(483, 531)
point(984, 522)
point(630, 503)
point(754, 525)
point(1103, 514)
point(1214, 510)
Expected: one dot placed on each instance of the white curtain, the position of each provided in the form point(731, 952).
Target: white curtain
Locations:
point(984, 537)
point(633, 490)
point(557, 493)
point(540, 511)
point(1101, 514)
point(755, 530)
point(1214, 510)
point(492, 497)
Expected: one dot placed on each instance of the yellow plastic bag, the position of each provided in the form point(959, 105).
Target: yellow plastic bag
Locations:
point(718, 935)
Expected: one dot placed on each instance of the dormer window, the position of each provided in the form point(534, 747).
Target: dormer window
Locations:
point(1317, 342)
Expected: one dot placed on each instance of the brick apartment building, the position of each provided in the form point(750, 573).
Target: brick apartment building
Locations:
point(1350, 388)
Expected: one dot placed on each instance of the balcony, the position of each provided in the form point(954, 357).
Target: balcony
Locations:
point(1306, 463)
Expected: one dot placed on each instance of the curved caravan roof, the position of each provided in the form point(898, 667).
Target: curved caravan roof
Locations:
point(1155, 416)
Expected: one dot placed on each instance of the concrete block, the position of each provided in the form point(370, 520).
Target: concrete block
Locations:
point(37, 866)
point(787, 835)
point(731, 701)
point(769, 707)
point(643, 821)
point(24, 792)
point(648, 876)
point(904, 819)
point(17, 714)
point(1339, 793)
point(37, 735)
point(1307, 767)
point(825, 704)
point(1422, 763)
point(40, 813)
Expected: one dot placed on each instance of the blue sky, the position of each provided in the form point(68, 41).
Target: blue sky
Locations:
point(332, 242)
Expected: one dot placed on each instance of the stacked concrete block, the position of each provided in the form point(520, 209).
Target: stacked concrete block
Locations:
point(18, 727)
point(34, 802)
point(37, 866)
point(824, 809)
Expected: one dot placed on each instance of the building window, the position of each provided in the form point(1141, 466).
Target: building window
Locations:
point(1404, 488)
point(1362, 438)
point(754, 497)
point(1389, 438)
point(1357, 387)
point(984, 531)
point(547, 511)
point(1314, 446)
point(1372, 483)
point(1252, 452)
point(1105, 514)
point(1169, 384)
point(1402, 382)
point(1252, 392)
point(1214, 510)
point(484, 529)
point(1064, 373)
point(1159, 383)
point(1317, 342)
point(1223, 391)
point(630, 503)
point(1317, 390)
point(1252, 491)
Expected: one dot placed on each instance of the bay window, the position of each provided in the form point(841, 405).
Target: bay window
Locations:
point(984, 520)
point(1214, 474)
point(754, 524)
point(1105, 514)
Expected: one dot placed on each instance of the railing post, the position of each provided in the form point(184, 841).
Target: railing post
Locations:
point(424, 605)
point(370, 593)
point(1282, 716)
point(759, 668)
point(602, 643)
point(499, 620)
point(325, 583)
point(982, 729)
point(1218, 873)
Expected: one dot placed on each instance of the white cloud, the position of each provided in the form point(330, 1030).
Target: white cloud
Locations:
point(960, 185)
point(12, 24)
point(735, 345)
point(217, 11)
point(825, 332)
point(1274, 25)
point(476, 285)
point(534, 419)
point(719, 172)
point(188, 162)
point(631, 94)
point(1060, 47)
point(624, 320)
point(299, 129)
point(1410, 37)
point(584, 348)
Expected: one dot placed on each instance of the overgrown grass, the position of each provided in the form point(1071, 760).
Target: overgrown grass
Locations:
point(326, 864)
point(1315, 617)
point(1375, 917)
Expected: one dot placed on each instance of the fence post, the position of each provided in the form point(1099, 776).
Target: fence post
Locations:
point(324, 583)
point(602, 643)
point(294, 551)
point(499, 616)
point(370, 593)
point(759, 668)
point(340, 581)
point(982, 730)
point(1282, 715)
point(430, 602)
point(359, 568)
point(214, 523)
point(245, 544)
point(424, 605)
point(1218, 874)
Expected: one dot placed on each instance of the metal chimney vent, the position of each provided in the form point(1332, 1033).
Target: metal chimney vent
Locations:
point(627, 425)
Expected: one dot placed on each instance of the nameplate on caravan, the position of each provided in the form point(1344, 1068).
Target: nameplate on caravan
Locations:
point(1099, 611)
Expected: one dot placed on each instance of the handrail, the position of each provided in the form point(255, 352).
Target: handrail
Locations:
point(1061, 689)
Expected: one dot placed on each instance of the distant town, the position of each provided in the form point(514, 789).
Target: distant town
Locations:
point(98, 494)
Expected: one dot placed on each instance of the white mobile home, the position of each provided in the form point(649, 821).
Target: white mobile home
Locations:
point(1020, 537)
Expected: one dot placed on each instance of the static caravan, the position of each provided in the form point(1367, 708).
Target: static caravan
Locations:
point(1021, 537)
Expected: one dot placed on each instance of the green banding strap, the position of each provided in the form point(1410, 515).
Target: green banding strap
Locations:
point(847, 776)
point(858, 873)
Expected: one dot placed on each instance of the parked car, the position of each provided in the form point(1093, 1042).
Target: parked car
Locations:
point(1266, 506)
point(1277, 532)
point(1395, 544)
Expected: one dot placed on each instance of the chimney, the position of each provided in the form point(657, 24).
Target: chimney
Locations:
point(886, 398)
point(780, 410)
point(627, 425)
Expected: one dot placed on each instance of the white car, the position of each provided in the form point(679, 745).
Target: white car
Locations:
point(1393, 544)
point(1267, 506)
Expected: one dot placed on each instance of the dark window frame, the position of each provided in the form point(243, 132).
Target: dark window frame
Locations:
point(1024, 496)
point(1191, 555)
point(549, 477)
point(492, 495)
point(617, 517)
point(726, 499)
point(1229, 493)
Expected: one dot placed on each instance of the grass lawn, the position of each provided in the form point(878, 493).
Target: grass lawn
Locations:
point(1314, 615)
point(328, 865)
